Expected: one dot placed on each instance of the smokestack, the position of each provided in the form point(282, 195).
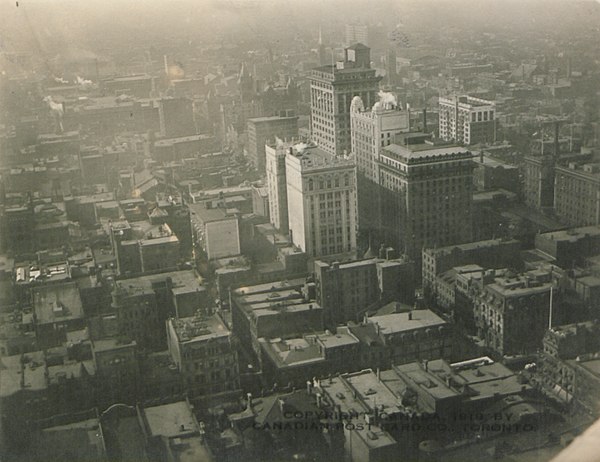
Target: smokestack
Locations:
point(556, 130)
point(166, 65)
point(425, 120)
point(382, 252)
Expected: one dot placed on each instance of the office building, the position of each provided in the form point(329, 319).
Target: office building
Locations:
point(538, 181)
point(467, 120)
point(371, 130)
point(427, 194)
point(492, 174)
point(176, 117)
point(17, 228)
point(494, 253)
point(512, 313)
point(277, 183)
point(277, 186)
point(157, 251)
point(58, 310)
point(139, 317)
point(321, 193)
point(260, 201)
point(117, 370)
point(202, 349)
point(216, 230)
point(332, 88)
point(266, 129)
point(356, 33)
point(577, 194)
point(570, 247)
point(375, 342)
point(570, 353)
point(274, 310)
point(348, 290)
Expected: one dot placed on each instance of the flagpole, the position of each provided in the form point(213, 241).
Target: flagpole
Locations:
point(550, 317)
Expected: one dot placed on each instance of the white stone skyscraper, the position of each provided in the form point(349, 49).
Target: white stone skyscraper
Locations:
point(321, 201)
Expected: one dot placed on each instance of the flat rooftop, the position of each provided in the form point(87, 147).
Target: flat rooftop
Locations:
point(407, 321)
point(342, 389)
point(57, 303)
point(10, 373)
point(199, 328)
point(573, 234)
point(269, 287)
point(170, 420)
point(159, 241)
point(509, 288)
point(312, 157)
point(182, 139)
point(206, 215)
point(441, 251)
point(271, 119)
point(422, 151)
point(292, 352)
point(110, 344)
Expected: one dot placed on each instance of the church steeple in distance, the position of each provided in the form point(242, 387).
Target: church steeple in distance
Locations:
point(322, 57)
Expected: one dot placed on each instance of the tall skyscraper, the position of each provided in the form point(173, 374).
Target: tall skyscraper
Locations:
point(372, 129)
point(427, 195)
point(263, 129)
point(467, 120)
point(356, 33)
point(321, 194)
point(332, 88)
point(276, 183)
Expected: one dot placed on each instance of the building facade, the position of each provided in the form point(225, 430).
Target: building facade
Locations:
point(347, 290)
point(203, 350)
point(577, 194)
point(266, 129)
point(321, 192)
point(467, 120)
point(512, 314)
point(427, 195)
point(371, 130)
point(276, 184)
point(356, 33)
point(332, 89)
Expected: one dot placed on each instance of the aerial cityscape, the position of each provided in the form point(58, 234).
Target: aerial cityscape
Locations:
point(317, 230)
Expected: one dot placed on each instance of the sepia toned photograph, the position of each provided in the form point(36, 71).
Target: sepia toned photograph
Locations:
point(299, 230)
